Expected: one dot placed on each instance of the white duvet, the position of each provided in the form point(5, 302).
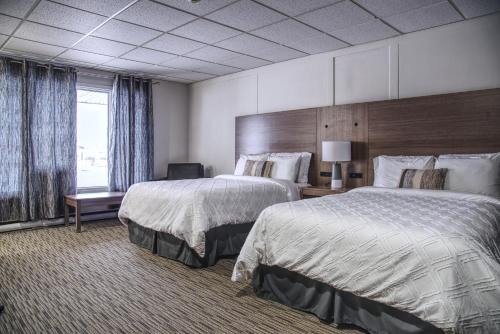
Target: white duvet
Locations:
point(434, 254)
point(189, 208)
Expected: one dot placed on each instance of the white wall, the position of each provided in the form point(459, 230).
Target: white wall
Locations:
point(171, 114)
point(457, 57)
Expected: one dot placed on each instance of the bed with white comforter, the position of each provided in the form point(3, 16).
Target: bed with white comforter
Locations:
point(187, 209)
point(434, 254)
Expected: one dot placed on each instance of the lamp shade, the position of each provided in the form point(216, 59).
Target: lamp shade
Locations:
point(336, 151)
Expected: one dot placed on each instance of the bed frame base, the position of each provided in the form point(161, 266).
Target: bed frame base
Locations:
point(220, 242)
point(334, 306)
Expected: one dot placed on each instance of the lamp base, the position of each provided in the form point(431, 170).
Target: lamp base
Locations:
point(337, 184)
point(336, 176)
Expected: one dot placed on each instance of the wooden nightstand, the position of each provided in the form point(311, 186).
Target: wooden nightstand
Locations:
point(310, 192)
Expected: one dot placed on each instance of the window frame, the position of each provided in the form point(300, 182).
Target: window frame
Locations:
point(98, 89)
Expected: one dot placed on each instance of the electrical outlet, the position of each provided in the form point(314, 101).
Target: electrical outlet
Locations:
point(356, 175)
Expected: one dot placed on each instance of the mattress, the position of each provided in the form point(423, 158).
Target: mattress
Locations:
point(433, 254)
point(187, 209)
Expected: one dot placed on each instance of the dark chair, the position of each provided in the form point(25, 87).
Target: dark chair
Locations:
point(180, 171)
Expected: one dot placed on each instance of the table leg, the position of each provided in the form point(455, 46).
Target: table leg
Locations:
point(77, 218)
point(66, 214)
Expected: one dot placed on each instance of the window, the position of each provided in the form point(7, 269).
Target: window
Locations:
point(92, 139)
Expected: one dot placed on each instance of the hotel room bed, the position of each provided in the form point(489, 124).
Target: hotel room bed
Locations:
point(200, 220)
point(387, 260)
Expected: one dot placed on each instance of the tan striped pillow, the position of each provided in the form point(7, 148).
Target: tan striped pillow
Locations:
point(258, 168)
point(423, 178)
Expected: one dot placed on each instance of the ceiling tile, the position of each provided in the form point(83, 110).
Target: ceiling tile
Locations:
point(335, 17)
point(104, 7)
point(318, 44)
point(126, 32)
point(156, 16)
point(201, 8)
point(85, 57)
point(212, 53)
point(246, 15)
point(299, 36)
point(195, 76)
point(173, 44)
point(245, 43)
point(198, 65)
point(205, 31)
point(473, 8)
point(103, 46)
point(18, 44)
point(3, 38)
point(167, 78)
point(260, 48)
point(45, 34)
point(17, 8)
point(383, 8)
point(278, 53)
point(8, 24)
point(134, 65)
point(226, 57)
point(425, 17)
point(294, 7)
point(65, 17)
point(148, 56)
point(245, 62)
point(286, 31)
point(367, 32)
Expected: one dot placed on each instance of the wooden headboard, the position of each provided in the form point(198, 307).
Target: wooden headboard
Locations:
point(287, 131)
point(432, 125)
point(466, 122)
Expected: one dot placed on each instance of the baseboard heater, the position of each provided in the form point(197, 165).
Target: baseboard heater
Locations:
point(85, 217)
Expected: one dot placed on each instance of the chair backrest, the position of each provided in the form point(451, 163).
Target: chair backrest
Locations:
point(179, 171)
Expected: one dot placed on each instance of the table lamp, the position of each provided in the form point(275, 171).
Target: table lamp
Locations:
point(336, 151)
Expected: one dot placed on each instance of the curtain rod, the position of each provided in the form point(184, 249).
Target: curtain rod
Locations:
point(78, 70)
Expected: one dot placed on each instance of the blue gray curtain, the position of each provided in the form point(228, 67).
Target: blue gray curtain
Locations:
point(130, 154)
point(37, 139)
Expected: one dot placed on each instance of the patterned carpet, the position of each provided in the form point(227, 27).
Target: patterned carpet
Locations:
point(54, 280)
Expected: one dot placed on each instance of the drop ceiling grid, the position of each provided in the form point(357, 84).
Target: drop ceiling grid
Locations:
point(273, 12)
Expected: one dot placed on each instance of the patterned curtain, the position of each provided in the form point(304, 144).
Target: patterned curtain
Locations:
point(130, 156)
point(37, 139)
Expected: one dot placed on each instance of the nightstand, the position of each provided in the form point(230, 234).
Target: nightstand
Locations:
point(310, 192)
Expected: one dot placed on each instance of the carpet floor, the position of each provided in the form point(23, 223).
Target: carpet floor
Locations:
point(54, 280)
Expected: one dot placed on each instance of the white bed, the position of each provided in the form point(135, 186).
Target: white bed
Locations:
point(188, 209)
point(433, 254)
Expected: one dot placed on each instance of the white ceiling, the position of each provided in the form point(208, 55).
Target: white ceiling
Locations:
point(180, 41)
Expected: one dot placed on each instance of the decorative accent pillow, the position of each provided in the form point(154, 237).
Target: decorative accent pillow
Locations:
point(240, 165)
point(472, 173)
point(285, 168)
point(388, 168)
point(423, 178)
point(305, 161)
point(258, 168)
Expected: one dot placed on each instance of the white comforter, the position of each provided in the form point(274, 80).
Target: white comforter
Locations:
point(189, 208)
point(434, 254)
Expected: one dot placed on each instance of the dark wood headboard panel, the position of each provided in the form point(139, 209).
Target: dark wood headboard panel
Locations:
point(466, 122)
point(451, 123)
point(286, 131)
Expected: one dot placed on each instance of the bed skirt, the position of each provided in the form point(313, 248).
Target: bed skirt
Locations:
point(334, 306)
point(222, 241)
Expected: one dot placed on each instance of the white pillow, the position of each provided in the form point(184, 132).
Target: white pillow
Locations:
point(240, 165)
point(285, 168)
point(304, 163)
point(388, 169)
point(472, 173)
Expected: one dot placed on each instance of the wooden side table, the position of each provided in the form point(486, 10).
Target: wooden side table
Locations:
point(89, 200)
point(310, 192)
